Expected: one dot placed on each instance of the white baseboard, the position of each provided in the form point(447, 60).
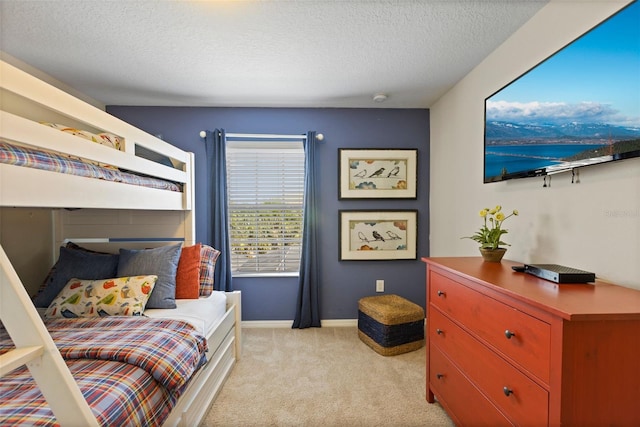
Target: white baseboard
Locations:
point(329, 323)
point(340, 323)
point(267, 323)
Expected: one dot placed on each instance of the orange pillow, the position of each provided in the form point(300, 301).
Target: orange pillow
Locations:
point(188, 274)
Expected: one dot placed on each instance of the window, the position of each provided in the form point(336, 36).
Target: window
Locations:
point(265, 190)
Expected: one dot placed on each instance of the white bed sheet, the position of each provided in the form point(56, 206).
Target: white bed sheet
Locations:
point(204, 313)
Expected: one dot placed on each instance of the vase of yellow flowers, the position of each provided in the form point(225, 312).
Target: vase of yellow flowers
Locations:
point(490, 234)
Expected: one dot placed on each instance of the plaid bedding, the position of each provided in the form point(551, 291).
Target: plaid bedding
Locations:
point(38, 159)
point(170, 350)
point(119, 394)
point(130, 368)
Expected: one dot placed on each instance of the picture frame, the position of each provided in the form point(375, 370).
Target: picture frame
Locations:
point(369, 235)
point(377, 173)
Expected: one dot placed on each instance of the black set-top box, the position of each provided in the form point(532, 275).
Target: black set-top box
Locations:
point(559, 273)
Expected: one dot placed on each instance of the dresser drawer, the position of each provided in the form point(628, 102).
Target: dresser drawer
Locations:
point(520, 398)
point(521, 337)
point(459, 396)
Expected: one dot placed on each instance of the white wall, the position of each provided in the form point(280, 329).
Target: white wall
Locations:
point(594, 225)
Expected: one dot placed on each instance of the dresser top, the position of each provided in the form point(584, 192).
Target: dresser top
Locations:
point(570, 301)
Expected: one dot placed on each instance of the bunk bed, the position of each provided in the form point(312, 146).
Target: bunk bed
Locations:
point(113, 189)
point(33, 112)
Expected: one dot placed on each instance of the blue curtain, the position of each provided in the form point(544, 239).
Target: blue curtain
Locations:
point(216, 142)
point(308, 306)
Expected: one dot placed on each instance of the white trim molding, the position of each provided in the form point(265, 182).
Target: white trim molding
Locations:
point(328, 323)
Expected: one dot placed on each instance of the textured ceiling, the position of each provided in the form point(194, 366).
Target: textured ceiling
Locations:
point(270, 53)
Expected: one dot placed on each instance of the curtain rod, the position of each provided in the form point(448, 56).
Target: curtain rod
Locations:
point(319, 137)
point(264, 136)
point(203, 134)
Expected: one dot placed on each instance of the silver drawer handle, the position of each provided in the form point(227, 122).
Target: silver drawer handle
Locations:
point(441, 293)
point(507, 391)
point(439, 331)
point(509, 334)
point(439, 376)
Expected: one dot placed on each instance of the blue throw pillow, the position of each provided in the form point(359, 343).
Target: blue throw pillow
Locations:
point(163, 262)
point(79, 264)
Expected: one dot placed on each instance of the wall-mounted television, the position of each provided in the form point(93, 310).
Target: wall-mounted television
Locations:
point(579, 107)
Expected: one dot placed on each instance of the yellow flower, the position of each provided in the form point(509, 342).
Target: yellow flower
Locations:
point(489, 236)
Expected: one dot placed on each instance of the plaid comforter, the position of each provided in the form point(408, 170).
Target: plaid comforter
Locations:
point(119, 394)
point(170, 350)
point(131, 370)
point(39, 159)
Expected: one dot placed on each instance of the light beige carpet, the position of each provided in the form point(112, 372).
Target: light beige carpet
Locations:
point(322, 377)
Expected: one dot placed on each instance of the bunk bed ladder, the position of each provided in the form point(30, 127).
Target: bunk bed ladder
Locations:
point(36, 350)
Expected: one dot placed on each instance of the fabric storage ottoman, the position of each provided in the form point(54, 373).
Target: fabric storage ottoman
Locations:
point(390, 324)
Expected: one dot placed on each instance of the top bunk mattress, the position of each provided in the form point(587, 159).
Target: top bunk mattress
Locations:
point(39, 159)
point(204, 313)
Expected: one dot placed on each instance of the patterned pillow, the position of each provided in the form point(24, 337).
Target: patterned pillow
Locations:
point(108, 139)
point(208, 258)
point(122, 296)
point(111, 140)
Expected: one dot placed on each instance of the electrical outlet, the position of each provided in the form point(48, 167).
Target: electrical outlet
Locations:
point(379, 285)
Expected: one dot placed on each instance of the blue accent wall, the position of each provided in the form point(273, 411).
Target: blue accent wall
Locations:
point(343, 283)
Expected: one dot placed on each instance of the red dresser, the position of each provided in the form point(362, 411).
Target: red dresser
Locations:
point(508, 348)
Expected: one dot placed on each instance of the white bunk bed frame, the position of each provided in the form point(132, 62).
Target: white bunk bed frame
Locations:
point(26, 100)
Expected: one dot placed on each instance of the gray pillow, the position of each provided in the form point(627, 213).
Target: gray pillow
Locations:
point(163, 262)
point(79, 264)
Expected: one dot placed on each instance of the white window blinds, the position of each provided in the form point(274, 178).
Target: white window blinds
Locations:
point(265, 186)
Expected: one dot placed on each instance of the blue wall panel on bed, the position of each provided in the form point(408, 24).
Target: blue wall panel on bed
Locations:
point(343, 283)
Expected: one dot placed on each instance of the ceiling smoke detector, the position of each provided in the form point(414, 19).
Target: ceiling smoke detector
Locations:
point(379, 97)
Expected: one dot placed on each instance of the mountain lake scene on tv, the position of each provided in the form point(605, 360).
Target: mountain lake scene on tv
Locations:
point(579, 107)
point(529, 151)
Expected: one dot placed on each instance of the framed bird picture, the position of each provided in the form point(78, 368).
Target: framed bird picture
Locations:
point(377, 174)
point(368, 235)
